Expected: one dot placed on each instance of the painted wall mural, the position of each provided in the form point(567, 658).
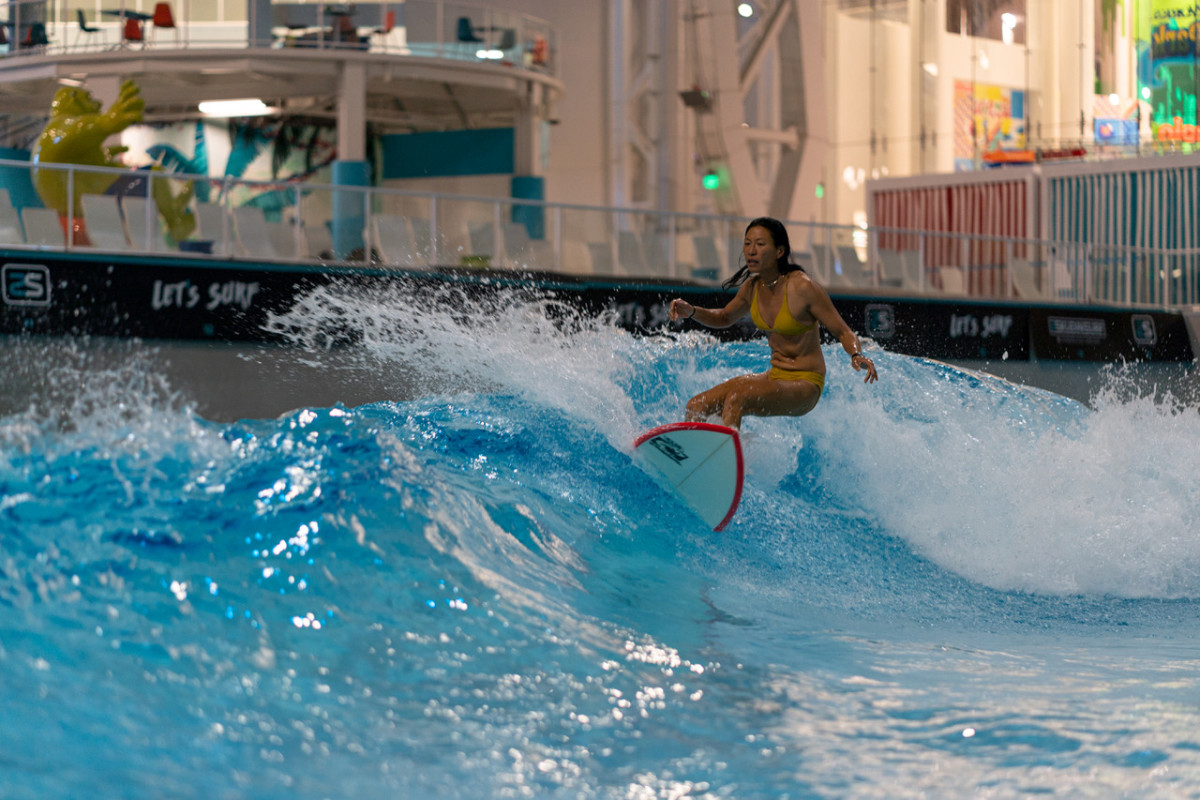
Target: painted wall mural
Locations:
point(253, 149)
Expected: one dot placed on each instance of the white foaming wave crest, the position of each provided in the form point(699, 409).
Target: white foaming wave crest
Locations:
point(1011, 489)
point(444, 340)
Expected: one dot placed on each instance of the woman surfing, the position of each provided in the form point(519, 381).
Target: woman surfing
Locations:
point(783, 300)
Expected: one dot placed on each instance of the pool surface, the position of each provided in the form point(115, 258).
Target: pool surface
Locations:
point(940, 585)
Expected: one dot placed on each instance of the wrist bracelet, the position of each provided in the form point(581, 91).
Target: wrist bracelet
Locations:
point(855, 355)
point(689, 316)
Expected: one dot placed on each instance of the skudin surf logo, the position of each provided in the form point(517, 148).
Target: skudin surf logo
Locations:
point(26, 284)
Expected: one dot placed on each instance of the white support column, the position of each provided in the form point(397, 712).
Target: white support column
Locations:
point(644, 102)
point(351, 113)
point(527, 132)
point(617, 154)
point(721, 132)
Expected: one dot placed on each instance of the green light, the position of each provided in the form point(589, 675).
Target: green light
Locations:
point(711, 181)
point(820, 191)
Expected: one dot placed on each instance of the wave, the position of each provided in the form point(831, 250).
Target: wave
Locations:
point(472, 590)
point(935, 476)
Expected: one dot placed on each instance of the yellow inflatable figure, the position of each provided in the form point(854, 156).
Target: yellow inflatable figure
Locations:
point(75, 134)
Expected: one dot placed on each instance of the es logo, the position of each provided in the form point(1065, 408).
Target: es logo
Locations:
point(1144, 332)
point(26, 284)
point(881, 320)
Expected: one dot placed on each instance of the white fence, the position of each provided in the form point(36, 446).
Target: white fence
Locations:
point(1122, 231)
point(289, 222)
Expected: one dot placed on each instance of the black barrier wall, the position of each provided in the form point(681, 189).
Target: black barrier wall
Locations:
point(174, 299)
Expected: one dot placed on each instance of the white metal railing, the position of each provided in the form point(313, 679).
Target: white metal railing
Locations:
point(288, 222)
point(424, 28)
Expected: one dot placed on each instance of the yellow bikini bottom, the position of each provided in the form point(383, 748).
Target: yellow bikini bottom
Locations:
point(779, 374)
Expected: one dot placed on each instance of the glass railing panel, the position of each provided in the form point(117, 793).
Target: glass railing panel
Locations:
point(426, 28)
point(1110, 274)
point(587, 243)
point(140, 211)
point(466, 232)
point(526, 236)
point(659, 244)
point(468, 31)
point(401, 229)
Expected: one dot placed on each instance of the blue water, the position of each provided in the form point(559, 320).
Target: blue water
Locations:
point(941, 585)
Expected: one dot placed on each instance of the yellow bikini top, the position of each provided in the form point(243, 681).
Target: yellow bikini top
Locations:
point(785, 323)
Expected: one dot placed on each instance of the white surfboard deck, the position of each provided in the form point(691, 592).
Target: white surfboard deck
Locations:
point(702, 462)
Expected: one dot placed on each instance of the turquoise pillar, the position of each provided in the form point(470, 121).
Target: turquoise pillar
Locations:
point(348, 210)
point(17, 180)
point(530, 187)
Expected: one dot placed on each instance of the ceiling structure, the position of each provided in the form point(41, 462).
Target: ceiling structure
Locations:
point(702, 89)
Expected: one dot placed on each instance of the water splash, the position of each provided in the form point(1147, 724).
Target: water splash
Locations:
point(1018, 489)
point(442, 339)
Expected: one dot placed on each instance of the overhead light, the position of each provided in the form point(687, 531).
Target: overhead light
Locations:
point(490, 54)
point(745, 9)
point(1007, 23)
point(234, 108)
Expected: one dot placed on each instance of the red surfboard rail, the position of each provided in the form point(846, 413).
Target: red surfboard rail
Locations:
point(669, 463)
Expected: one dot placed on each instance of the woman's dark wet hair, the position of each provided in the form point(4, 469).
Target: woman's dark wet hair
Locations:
point(779, 236)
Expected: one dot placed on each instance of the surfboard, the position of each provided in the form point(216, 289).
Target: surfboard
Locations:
point(702, 462)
